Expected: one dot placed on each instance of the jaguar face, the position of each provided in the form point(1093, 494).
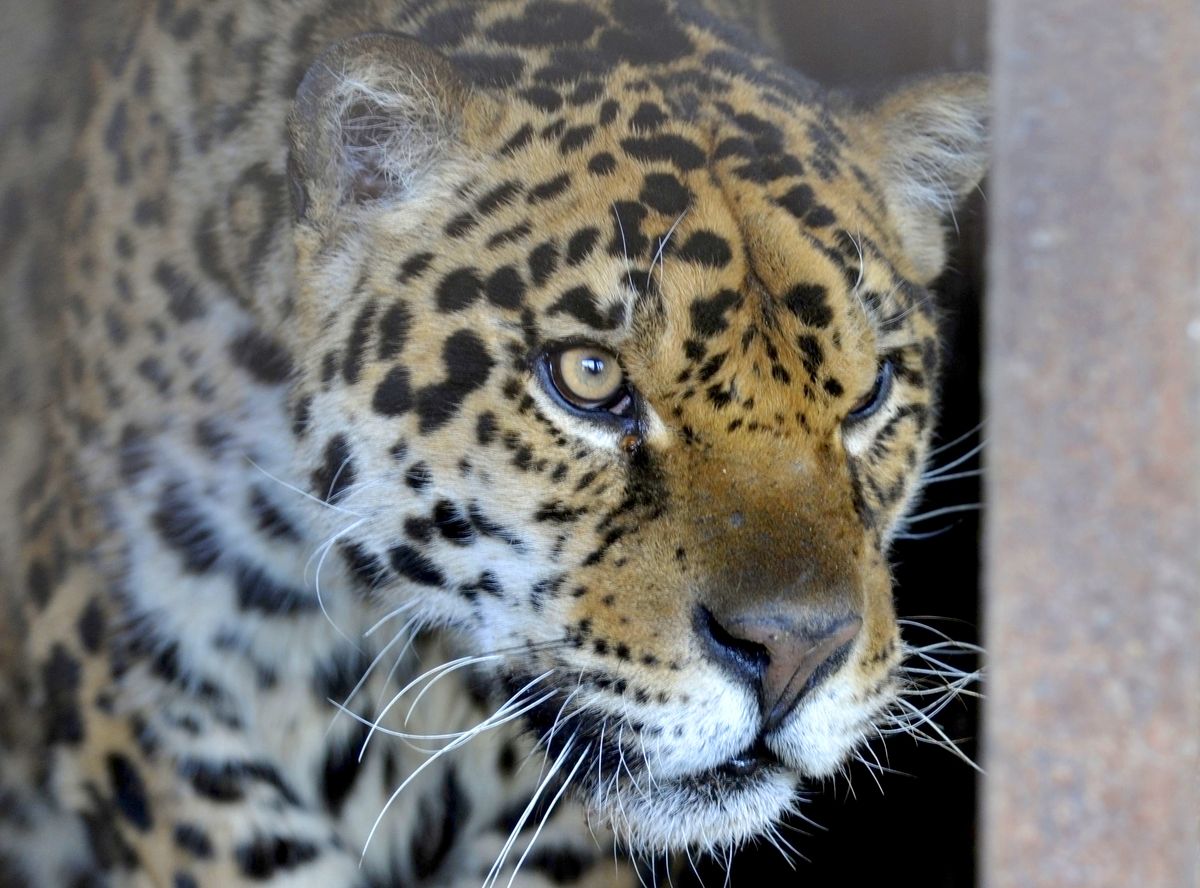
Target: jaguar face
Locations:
point(633, 393)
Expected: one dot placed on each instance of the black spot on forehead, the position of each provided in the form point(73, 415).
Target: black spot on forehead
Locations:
point(681, 153)
point(448, 27)
point(708, 315)
point(412, 565)
point(356, 343)
point(660, 43)
point(501, 195)
point(518, 140)
point(185, 528)
point(459, 289)
point(609, 111)
point(547, 23)
point(543, 98)
point(628, 239)
point(549, 189)
point(262, 857)
point(586, 92)
point(129, 792)
point(811, 353)
point(505, 288)
point(809, 303)
point(257, 591)
point(569, 63)
point(543, 261)
point(602, 164)
point(705, 248)
point(664, 193)
point(802, 203)
point(576, 138)
point(648, 33)
point(647, 117)
point(581, 304)
point(581, 244)
point(490, 69)
point(60, 676)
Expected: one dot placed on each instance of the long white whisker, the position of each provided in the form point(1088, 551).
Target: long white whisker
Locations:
point(957, 476)
point(304, 493)
point(367, 672)
point(453, 664)
point(942, 448)
point(546, 816)
point(507, 712)
point(953, 464)
point(946, 510)
point(404, 608)
point(662, 245)
point(317, 581)
point(494, 872)
point(450, 747)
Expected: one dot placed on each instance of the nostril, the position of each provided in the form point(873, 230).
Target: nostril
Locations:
point(781, 653)
point(747, 660)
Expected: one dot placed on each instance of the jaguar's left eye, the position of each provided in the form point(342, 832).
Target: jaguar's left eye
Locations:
point(588, 377)
point(870, 403)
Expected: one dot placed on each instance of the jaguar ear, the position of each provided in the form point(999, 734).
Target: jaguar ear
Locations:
point(376, 117)
point(931, 140)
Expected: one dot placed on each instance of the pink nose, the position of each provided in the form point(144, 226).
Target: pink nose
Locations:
point(782, 653)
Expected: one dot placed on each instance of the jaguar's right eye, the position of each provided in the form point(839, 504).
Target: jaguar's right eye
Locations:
point(588, 378)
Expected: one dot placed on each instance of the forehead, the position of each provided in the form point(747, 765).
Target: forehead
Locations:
point(578, 215)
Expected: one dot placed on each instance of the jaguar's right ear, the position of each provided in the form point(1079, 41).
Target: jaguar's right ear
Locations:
point(375, 119)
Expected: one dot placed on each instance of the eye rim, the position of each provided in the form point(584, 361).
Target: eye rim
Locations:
point(547, 365)
point(871, 403)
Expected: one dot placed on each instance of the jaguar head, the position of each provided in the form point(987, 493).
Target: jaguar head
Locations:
point(631, 381)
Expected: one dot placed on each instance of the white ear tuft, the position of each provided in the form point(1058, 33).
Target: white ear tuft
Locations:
point(373, 118)
point(932, 145)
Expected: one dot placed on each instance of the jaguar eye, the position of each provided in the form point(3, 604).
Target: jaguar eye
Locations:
point(589, 378)
point(870, 403)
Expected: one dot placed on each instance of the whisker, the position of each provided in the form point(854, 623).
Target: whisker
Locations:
point(546, 816)
point(927, 535)
point(404, 608)
point(367, 672)
point(957, 476)
point(945, 510)
point(942, 448)
point(450, 747)
point(304, 493)
point(494, 872)
point(625, 250)
point(953, 464)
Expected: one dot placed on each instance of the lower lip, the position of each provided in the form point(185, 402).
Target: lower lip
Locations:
point(743, 766)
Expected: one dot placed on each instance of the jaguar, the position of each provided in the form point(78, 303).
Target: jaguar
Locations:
point(452, 442)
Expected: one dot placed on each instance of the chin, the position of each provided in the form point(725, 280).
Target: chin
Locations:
point(716, 809)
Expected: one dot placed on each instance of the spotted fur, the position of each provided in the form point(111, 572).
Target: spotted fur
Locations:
point(277, 444)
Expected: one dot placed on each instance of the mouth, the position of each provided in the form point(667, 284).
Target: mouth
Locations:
point(740, 771)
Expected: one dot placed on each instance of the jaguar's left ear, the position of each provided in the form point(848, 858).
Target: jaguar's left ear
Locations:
point(931, 143)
